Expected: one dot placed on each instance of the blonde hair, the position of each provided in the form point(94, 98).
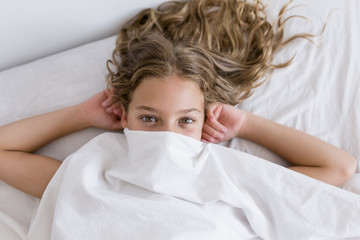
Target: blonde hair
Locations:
point(225, 46)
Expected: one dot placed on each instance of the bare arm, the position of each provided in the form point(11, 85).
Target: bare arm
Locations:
point(29, 172)
point(20, 168)
point(308, 155)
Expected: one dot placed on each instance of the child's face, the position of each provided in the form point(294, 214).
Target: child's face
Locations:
point(172, 104)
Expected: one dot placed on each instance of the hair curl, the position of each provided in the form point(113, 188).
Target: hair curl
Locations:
point(225, 46)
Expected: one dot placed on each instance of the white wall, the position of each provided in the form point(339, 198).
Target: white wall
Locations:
point(31, 29)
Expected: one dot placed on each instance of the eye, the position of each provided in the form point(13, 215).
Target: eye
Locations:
point(148, 118)
point(186, 120)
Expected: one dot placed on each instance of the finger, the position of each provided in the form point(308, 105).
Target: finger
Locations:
point(114, 109)
point(217, 111)
point(216, 125)
point(117, 104)
point(206, 137)
point(107, 102)
point(117, 108)
point(213, 114)
point(109, 92)
point(110, 109)
point(214, 111)
point(117, 111)
point(210, 112)
point(213, 132)
point(110, 101)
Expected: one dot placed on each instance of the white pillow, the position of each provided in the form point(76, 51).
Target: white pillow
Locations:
point(56, 82)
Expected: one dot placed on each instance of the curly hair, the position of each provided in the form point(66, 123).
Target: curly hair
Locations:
point(225, 46)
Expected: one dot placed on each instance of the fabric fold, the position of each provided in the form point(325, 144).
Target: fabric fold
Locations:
point(169, 186)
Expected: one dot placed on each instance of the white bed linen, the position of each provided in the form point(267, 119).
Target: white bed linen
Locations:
point(163, 185)
point(46, 85)
point(318, 93)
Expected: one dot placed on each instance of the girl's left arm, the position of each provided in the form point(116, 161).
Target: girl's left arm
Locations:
point(308, 154)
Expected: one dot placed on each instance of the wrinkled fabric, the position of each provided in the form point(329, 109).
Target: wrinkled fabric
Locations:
point(162, 185)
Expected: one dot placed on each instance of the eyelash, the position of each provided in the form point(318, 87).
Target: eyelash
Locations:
point(146, 118)
point(143, 118)
point(187, 118)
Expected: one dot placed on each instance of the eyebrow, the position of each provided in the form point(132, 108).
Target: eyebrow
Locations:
point(150, 109)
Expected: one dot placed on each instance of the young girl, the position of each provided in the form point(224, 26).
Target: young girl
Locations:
point(180, 69)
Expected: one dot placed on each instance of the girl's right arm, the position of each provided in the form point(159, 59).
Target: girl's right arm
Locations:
point(31, 173)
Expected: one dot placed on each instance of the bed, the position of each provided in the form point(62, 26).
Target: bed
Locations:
point(319, 93)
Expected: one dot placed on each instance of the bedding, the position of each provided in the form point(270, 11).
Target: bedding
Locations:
point(169, 186)
point(318, 93)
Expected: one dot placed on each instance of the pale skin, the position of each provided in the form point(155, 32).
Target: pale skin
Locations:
point(173, 104)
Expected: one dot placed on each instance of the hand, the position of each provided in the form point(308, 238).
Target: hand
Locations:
point(223, 122)
point(102, 111)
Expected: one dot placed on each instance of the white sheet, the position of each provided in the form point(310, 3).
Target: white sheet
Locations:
point(318, 93)
point(163, 185)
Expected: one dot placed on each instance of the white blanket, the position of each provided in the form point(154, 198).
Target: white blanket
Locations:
point(162, 185)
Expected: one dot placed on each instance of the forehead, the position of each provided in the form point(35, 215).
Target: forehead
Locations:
point(172, 92)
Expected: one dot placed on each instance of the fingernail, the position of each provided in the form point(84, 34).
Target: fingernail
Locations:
point(105, 104)
point(224, 130)
point(109, 110)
